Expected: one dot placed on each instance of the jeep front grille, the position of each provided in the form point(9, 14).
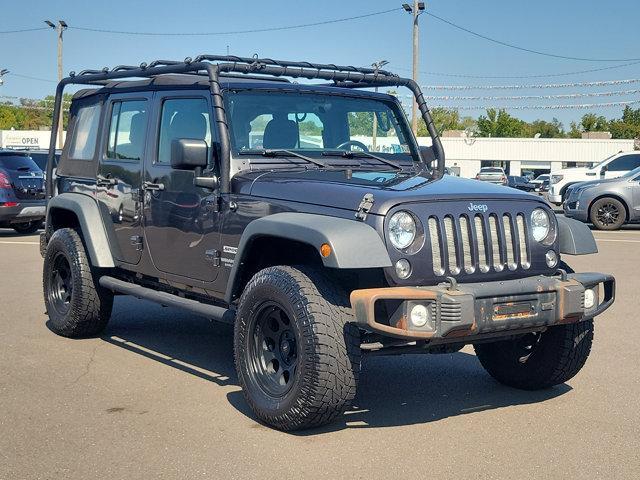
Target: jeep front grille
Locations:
point(482, 242)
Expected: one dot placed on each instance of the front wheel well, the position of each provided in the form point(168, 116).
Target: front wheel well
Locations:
point(268, 251)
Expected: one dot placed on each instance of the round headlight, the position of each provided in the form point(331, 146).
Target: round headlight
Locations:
point(540, 225)
point(402, 230)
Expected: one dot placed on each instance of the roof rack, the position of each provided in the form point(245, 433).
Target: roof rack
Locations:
point(345, 76)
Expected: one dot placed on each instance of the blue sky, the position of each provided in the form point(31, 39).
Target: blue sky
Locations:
point(593, 29)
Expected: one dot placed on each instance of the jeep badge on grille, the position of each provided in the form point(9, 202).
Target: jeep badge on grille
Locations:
point(477, 207)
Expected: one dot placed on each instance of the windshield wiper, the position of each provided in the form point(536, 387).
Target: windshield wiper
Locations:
point(346, 154)
point(279, 152)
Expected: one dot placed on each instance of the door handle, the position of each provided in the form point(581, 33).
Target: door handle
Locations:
point(153, 186)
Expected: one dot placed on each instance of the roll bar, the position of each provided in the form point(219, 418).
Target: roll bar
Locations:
point(343, 76)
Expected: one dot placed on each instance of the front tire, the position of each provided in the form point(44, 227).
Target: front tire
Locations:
point(297, 352)
point(76, 305)
point(538, 360)
point(607, 214)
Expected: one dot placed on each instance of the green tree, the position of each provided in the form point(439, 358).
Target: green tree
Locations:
point(552, 129)
point(498, 123)
point(446, 119)
point(594, 123)
point(574, 130)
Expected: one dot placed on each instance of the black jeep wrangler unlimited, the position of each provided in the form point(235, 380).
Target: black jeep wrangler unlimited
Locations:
point(308, 216)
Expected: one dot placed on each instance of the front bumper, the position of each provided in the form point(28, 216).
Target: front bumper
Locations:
point(575, 209)
point(468, 310)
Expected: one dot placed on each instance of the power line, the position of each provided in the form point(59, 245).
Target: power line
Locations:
point(599, 83)
point(542, 75)
point(540, 107)
point(22, 30)
point(535, 97)
point(529, 50)
point(236, 32)
point(31, 78)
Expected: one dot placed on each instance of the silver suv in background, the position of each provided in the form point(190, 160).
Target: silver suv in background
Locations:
point(493, 175)
point(608, 204)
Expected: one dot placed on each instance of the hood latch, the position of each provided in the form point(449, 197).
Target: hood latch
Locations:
point(365, 206)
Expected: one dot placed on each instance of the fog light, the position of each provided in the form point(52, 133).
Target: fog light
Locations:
point(419, 315)
point(589, 298)
point(552, 258)
point(403, 268)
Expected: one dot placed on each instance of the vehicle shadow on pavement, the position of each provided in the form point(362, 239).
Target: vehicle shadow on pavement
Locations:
point(393, 390)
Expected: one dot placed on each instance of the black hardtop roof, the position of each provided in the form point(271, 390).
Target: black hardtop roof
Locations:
point(201, 81)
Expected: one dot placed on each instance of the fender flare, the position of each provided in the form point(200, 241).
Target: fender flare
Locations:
point(354, 245)
point(94, 234)
point(575, 238)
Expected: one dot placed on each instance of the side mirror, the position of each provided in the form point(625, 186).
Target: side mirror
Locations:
point(603, 170)
point(427, 155)
point(188, 154)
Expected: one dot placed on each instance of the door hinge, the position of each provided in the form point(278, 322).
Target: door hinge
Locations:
point(137, 241)
point(365, 206)
point(213, 256)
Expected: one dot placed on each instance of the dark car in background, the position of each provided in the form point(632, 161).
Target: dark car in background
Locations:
point(22, 192)
point(521, 183)
point(607, 204)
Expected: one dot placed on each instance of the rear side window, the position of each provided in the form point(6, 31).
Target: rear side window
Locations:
point(18, 163)
point(182, 118)
point(127, 131)
point(624, 164)
point(83, 143)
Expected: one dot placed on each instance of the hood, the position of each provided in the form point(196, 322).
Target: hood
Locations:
point(334, 188)
point(600, 181)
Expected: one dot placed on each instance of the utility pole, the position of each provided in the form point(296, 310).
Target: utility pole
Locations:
point(3, 72)
point(415, 11)
point(60, 27)
point(377, 66)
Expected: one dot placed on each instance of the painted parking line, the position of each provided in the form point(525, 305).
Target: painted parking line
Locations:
point(9, 242)
point(616, 240)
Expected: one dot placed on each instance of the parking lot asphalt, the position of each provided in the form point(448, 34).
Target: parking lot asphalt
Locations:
point(157, 397)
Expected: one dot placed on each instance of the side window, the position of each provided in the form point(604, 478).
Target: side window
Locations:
point(182, 118)
point(624, 163)
point(83, 142)
point(127, 130)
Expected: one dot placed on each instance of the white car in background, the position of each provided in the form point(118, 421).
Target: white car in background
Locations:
point(611, 167)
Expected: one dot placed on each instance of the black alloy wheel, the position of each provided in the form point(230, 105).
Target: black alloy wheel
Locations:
point(60, 289)
point(273, 351)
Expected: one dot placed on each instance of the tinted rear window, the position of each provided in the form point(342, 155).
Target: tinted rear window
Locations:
point(491, 170)
point(18, 162)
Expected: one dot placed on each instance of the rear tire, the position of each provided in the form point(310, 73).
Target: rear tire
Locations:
point(541, 360)
point(76, 305)
point(27, 228)
point(297, 352)
point(607, 214)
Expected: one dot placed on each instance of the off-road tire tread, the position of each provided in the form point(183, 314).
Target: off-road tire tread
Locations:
point(332, 349)
point(91, 304)
point(562, 353)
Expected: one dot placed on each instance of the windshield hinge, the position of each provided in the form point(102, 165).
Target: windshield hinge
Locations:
point(365, 206)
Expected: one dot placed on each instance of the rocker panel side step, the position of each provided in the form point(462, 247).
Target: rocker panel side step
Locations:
point(220, 314)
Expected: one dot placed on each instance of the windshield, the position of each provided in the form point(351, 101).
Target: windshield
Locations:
point(317, 124)
point(603, 161)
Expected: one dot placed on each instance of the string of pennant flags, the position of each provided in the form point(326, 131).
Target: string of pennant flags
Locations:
point(532, 97)
point(600, 83)
point(582, 106)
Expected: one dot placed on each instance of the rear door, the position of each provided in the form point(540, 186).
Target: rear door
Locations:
point(119, 174)
point(181, 225)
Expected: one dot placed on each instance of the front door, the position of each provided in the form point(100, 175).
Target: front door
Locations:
point(119, 174)
point(181, 225)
